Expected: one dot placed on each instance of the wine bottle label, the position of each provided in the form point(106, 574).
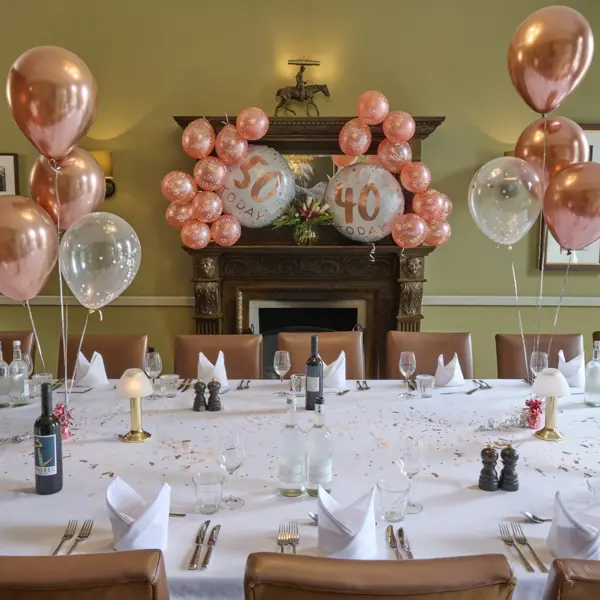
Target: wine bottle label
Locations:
point(45, 455)
point(312, 384)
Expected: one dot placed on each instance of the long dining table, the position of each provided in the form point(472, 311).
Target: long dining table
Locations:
point(457, 519)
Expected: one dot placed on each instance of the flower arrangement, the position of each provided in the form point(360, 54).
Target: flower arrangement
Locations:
point(303, 215)
point(66, 421)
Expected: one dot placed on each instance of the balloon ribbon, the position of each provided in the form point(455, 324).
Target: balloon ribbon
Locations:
point(35, 335)
point(560, 300)
point(514, 274)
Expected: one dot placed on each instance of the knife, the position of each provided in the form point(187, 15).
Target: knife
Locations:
point(391, 540)
point(405, 543)
point(199, 541)
point(212, 540)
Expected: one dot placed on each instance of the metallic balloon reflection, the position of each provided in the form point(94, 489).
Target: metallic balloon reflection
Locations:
point(364, 199)
point(505, 199)
point(99, 257)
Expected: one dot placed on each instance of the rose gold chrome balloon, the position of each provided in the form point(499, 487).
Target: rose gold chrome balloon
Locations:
point(549, 55)
point(210, 173)
point(409, 230)
point(177, 215)
point(438, 233)
point(399, 126)
point(394, 156)
point(206, 207)
point(178, 187)
point(355, 138)
point(53, 98)
point(28, 247)
point(81, 187)
point(572, 206)
point(557, 143)
point(226, 230)
point(415, 177)
point(230, 146)
point(430, 205)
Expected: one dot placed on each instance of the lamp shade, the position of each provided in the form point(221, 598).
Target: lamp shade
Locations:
point(551, 382)
point(134, 384)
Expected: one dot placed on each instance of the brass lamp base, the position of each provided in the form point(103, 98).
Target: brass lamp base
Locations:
point(549, 435)
point(135, 436)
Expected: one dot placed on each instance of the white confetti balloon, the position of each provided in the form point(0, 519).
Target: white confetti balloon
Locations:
point(364, 199)
point(259, 189)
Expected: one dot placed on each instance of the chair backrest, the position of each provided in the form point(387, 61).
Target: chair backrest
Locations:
point(119, 351)
point(27, 340)
point(243, 354)
point(272, 576)
point(136, 575)
point(427, 348)
point(509, 351)
point(596, 336)
point(331, 343)
point(573, 580)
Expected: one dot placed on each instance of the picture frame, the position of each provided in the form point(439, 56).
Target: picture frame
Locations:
point(9, 174)
point(551, 256)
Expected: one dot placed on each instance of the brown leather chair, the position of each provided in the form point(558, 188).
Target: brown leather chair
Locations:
point(509, 351)
point(243, 354)
point(272, 576)
point(596, 336)
point(27, 340)
point(427, 348)
point(120, 351)
point(573, 580)
point(136, 575)
point(331, 343)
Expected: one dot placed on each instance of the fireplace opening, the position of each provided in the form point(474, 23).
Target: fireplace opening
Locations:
point(270, 318)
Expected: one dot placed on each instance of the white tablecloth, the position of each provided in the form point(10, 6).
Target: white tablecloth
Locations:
point(457, 519)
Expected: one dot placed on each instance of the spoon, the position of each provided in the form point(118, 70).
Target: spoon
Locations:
point(534, 518)
point(314, 516)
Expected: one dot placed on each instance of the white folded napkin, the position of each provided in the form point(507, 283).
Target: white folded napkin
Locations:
point(207, 371)
point(573, 370)
point(347, 532)
point(575, 535)
point(90, 373)
point(136, 524)
point(449, 375)
point(334, 374)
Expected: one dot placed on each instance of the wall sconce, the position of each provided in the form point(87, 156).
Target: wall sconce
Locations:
point(104, 159)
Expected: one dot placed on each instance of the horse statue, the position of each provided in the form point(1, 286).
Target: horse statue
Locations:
point(301, 93)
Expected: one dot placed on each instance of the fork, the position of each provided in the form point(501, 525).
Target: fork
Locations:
point(182, 385)
point(475, 389)
point(366, 385)
point(360, 387)
point(84, 534)
point(521, 539)
point(483, 384)
point(247, 384)
point(282, 537)
point(241, 386)
point(507, 539)
point(294, 535)
point(69, 533)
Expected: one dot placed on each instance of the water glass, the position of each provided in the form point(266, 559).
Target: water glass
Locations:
point(209, 491)
point(411, 459)
point(407, 365)
point(36, 384)
point(168, 385)
point(425, 385)
point(393, 498)
point(298, 384)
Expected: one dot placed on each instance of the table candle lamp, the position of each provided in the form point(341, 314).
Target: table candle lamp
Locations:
point(551, 384)
point(135, 385)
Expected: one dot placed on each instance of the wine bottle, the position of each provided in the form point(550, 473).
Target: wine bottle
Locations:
point(592, 379)
point(47, 448)
point(291, 454)
point(17, 372)
point(319, 453)
point(314, 374)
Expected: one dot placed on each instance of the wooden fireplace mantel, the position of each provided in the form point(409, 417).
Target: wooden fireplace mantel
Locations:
point(391, 283)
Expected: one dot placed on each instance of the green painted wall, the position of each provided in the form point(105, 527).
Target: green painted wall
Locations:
point(432, 57)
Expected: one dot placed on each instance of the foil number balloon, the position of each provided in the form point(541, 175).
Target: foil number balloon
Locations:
point(258, 190)
point(364, 199)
